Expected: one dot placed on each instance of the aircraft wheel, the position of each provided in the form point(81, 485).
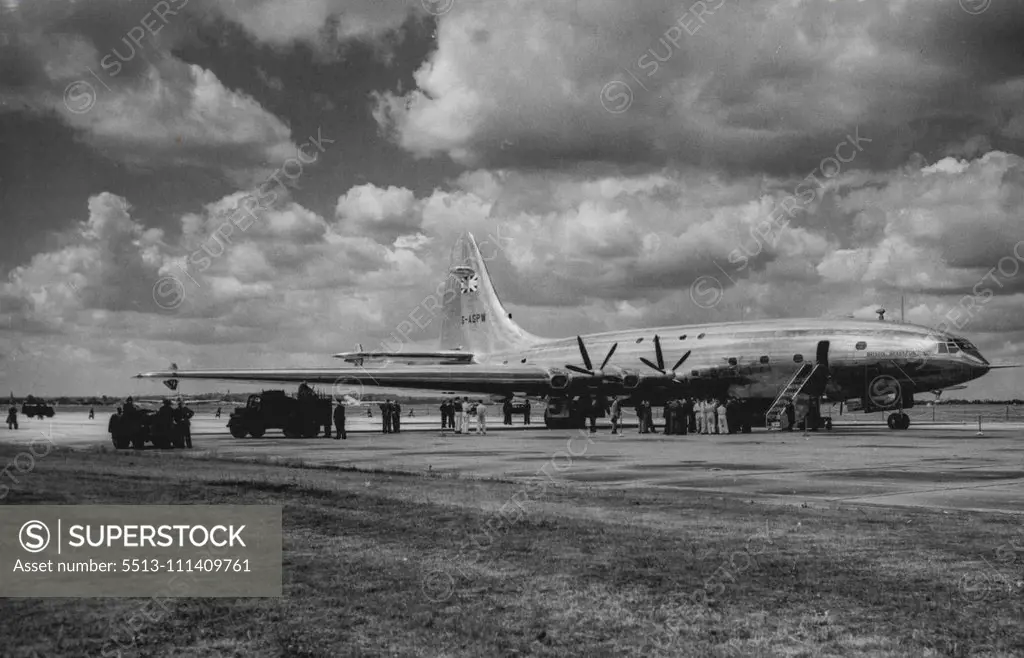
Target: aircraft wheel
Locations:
point(138, 441)
point(257, 431)
point(904, 421)
point(891, 420)
point(238, 431)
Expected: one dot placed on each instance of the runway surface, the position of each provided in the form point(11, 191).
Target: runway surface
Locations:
point(937, 466)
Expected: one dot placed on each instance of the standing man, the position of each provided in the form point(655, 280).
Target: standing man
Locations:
point(339, 421)
point(506, 408)
point(666, 414)
point(481, 417)
point(396, 418)
point(460, 415)
point(685, 415)
point(114, 420)
point(217, 415)
point(593, 405)
point(385, 416)
point(790, 416)
point(444, 413)
point(470, 408)
point(12, 418)
point(639, 406)
point(616, 413)
point(526, 413)
point(164, 420)
point(183, 417)
point(649, 417)
point(92, 413)
point(723, 418)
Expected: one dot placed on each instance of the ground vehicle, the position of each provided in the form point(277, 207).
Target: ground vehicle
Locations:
point(135, 427)
point(34, 407)
point(295, 416)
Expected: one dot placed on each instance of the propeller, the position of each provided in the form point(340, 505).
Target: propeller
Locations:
point(589, 369)
point(660, 365)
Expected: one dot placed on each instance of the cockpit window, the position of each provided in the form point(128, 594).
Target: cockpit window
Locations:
point(942, 348)
point(968, 348)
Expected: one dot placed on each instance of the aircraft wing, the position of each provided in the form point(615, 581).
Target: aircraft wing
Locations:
point(482, 378)
point(442, 357)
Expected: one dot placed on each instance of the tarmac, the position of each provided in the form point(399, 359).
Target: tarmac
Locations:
point(939, 466)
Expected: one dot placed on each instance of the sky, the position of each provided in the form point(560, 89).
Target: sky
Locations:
point(247, 183)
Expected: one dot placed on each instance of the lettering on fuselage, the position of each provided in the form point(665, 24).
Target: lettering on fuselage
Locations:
point(474, 319)
point(896, 353)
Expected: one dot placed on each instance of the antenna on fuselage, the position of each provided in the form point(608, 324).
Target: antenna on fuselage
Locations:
point(881, 314)
point(902, 299)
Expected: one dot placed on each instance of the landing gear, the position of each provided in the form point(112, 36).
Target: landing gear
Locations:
point(898, 421)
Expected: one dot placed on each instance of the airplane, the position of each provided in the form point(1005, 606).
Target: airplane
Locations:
point(880, 365)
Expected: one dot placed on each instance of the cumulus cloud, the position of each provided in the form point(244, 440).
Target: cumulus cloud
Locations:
point(537, 81)
point(134, 101)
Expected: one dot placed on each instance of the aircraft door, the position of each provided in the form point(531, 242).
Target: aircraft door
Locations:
point(822, 353)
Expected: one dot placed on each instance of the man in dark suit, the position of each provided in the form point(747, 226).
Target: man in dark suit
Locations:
point(183, 417)
point(339, 421)
point(385, 416)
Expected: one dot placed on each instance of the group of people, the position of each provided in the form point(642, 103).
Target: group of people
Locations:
point(684, 416)
point(169, 419)
point(507, 409)
point(390, 416)
point(456, 414)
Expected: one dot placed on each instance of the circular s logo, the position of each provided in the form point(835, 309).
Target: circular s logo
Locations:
point(616, 97)
point(34, 536)
point(79, 97)
point(884, 391)
point(438, 585)
point(706, 291)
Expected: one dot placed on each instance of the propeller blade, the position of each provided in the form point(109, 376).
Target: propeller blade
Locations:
point(658, 354)
point(608, 358)
point(652, 366)
point(583, 351)
point(580, 370)
point(680, 361)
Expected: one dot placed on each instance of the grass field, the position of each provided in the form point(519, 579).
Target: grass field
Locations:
point(388, 564)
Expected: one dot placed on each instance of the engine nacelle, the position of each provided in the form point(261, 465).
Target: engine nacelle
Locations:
point(558, 379)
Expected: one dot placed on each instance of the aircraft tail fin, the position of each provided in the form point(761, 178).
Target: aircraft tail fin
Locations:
point(473, 317)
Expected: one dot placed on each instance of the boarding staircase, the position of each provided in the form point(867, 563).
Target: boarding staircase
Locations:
point(804, 376)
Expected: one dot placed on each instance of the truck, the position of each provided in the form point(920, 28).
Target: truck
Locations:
point(35, 407)
point(302, 415)
point(136, 427)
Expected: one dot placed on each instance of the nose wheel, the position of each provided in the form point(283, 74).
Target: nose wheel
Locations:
point(898, 421)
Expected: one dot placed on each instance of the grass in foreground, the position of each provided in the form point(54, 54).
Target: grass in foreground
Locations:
point(380, 564)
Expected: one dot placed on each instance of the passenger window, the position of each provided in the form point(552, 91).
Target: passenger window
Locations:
point(798, 358)
point(862, 345)
point(764, 359)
